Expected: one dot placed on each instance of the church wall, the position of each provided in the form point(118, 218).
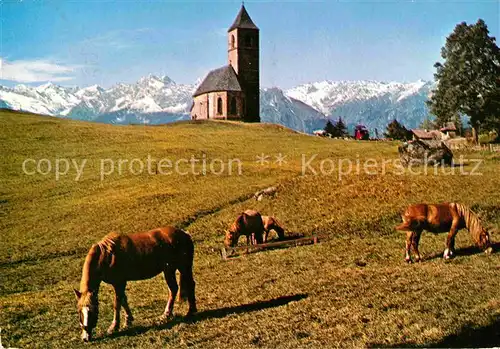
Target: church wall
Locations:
point(244, 58)
point(213, 112)
point(232, 49)
point(200, 111)
point(205, 106)
point(239, 105)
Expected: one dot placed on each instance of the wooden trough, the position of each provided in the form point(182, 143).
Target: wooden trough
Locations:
point(232, 252)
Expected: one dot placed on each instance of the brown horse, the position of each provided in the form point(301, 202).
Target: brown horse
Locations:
point(439, 218)
point(248, 223)
point(271, 223)
point(117, 259)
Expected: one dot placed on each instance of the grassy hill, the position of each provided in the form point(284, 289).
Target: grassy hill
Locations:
point(351, 290)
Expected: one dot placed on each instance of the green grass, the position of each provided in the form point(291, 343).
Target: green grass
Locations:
point(351, 290)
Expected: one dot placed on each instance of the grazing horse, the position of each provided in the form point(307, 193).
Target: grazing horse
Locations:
point(248, 223)
point(117, 259)
point(439, 218)
point(271, 223)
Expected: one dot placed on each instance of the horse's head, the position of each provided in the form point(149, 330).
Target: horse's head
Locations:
point(231, 238)
point(485, 241)
point(88, 312)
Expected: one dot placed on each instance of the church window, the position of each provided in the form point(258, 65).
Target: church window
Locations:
point(248, 41)
point(232, 41)
point(219, 106)
point(233, 106)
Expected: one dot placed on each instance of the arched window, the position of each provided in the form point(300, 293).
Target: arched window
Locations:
point(248, 41)
point(232, 41)
point(219, 106)
point(233, 106)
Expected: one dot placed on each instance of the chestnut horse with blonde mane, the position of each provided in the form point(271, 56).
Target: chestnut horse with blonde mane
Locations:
point(439, 218)
point(117, 259)
point(248, 223)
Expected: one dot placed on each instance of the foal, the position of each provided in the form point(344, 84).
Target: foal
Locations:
point(271, 223)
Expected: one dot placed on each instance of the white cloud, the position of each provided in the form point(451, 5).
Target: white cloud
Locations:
point(119, 39)
point(39, 70)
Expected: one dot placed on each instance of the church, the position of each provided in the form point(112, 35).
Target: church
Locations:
point(232, 91)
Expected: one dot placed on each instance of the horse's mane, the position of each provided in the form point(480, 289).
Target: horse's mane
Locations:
point(236, 226)
point(98, 255)
point(108, 243)
point(471, 220)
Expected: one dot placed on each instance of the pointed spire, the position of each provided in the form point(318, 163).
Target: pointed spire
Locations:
point(243, 20)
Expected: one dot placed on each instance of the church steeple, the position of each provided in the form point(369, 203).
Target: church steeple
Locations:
point(242, 20)
point(243, 56)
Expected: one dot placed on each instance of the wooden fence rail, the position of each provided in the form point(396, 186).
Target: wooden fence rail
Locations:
point(231, 252)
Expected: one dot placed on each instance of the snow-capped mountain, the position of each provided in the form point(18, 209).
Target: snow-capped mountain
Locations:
point(277, 108)
point(371, 103)
point(155, 100)
point(150, 95)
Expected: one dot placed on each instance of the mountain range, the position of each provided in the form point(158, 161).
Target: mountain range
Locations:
point(158, 99)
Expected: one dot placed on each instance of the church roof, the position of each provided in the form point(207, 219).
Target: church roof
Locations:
point(243, 20)
point(221, 79)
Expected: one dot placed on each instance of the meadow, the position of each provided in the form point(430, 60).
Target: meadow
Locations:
point(353, 289)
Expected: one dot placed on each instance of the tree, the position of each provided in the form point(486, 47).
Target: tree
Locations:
point(467, 80)
point(428, 124)
point(397, 131)
point(340, 129)
point(329, 128)
point(491, 121)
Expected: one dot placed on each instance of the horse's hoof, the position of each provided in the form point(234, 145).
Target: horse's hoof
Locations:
point(489, 250)
point(448, 253)
point(112, 330)
point(191, 313)
point(166, 317)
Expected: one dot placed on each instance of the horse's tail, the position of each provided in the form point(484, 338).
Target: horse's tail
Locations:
point(472, 223)
point(186, 282)
point(406, 225)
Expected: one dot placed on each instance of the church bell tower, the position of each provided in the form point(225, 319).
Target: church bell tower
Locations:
point(243, 55)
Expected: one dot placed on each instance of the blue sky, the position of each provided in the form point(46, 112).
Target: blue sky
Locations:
point(106, 42)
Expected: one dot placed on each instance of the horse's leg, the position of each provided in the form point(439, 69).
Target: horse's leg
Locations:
point(409, 239)
point(450, 242)
point(259, 237)
point(188, 288)
point(415, 242)
point(266, 234)
point(173, 287)
point(128, 314)
point(117, 304)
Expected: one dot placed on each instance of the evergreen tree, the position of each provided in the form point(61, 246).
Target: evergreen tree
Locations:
point(329, 128)
point(397, 131)
point(468, 80)
point(340, 128)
